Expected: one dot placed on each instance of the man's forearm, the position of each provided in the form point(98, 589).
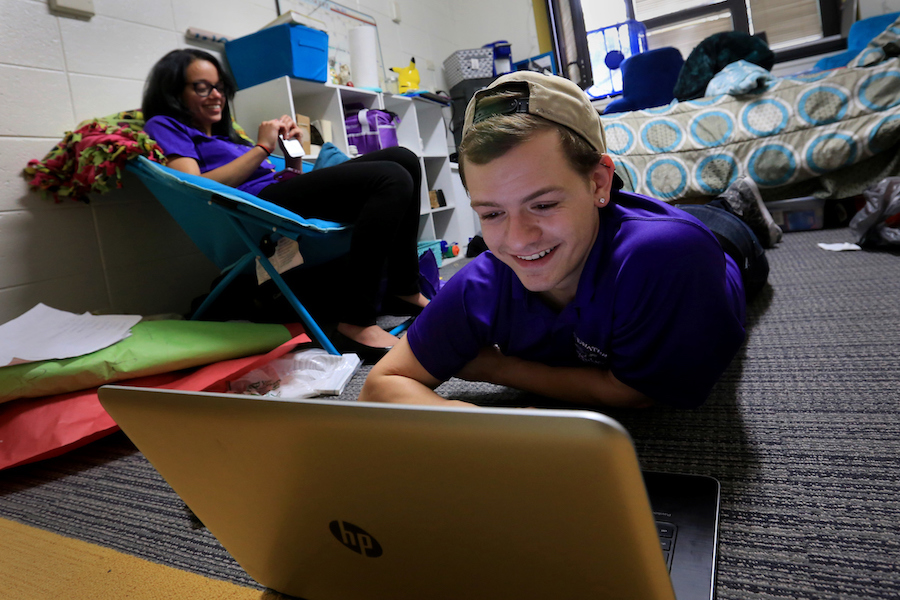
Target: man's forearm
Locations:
point(582, 385)
point(399, 378)
point(398, 389)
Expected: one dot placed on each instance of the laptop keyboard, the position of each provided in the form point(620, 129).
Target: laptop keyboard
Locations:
point(667, 533)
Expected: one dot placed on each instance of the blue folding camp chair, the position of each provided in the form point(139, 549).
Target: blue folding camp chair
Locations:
point(228, 226)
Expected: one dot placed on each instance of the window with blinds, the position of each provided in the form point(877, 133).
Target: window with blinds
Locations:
point(650, 9)
point(685, 35)
point(785, 23)
point(682, 24)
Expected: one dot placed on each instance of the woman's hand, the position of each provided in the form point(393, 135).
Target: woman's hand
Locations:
point(291, 130)
point(237, 171)
point(286, 127)
point(268, 133)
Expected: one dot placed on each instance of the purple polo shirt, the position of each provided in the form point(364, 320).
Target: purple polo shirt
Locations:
point(210, 152)
point(658, 303)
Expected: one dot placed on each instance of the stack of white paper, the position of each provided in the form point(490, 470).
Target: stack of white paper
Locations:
point(45, 333)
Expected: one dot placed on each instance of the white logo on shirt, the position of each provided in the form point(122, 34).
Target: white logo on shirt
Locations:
point(589, 354)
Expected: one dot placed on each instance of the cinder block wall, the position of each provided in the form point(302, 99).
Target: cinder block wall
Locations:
point(122, 252)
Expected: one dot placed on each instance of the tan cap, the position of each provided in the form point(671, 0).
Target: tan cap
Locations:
point(554, 98)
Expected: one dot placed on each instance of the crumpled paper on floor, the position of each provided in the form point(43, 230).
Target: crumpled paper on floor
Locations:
point(841, 247)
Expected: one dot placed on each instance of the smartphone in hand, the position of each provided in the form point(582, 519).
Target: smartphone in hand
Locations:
point(292, 148)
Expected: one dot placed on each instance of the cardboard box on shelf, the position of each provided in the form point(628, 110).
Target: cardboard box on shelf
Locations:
point(323, 126)
point(437, 198)
point(306, 135)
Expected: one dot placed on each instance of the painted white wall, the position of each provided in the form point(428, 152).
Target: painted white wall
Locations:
point(431, 30)
point(872, 8)
point(122, 252)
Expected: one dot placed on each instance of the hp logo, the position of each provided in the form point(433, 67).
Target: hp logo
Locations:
point(355, 538)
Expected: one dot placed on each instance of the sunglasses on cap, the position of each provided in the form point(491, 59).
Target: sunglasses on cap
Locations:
point(507, 100)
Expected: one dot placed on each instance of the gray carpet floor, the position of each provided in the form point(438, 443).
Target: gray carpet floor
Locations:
point(803, 432)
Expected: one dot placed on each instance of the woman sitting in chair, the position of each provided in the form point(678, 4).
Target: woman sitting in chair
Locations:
point(186, 104)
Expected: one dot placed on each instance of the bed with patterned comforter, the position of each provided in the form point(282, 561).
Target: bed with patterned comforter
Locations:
point(830, 134)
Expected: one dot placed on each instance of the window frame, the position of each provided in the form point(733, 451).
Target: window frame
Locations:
point(738, 9)
point(579, 56)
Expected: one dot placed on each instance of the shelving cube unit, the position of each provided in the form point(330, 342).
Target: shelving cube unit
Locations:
point(422, 129)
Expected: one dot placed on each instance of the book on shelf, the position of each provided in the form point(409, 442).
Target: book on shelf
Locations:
point(437, 198)
point(292, 16)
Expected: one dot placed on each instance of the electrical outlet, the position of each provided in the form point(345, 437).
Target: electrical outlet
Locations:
point(429, 64)
point(77, 8)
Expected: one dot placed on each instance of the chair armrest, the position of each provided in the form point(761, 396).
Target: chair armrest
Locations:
point(229, 197)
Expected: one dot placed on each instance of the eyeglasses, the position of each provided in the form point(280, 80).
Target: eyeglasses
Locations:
point(204, 88)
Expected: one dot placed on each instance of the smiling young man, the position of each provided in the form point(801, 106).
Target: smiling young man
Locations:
point(589, 294)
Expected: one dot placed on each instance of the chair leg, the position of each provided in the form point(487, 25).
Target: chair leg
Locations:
point(217, 291)
point(307, 319)
point(402, 326)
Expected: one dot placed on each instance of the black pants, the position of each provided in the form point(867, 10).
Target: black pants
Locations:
point(737, 240)
point(378, 193)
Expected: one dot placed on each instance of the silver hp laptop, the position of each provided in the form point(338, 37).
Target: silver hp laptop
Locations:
point(330, 500)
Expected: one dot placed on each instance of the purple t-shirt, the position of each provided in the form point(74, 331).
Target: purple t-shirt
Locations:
point(658, 303)
point(210, 152)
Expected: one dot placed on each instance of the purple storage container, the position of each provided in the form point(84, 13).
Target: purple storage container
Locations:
point(372, 129)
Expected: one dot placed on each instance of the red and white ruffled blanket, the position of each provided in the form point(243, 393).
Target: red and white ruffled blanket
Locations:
point(91, 158)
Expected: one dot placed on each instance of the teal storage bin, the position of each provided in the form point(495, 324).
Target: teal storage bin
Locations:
point(435, 247)
point(287, 49)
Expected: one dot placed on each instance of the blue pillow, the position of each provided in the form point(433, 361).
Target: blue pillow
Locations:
point(329, 156)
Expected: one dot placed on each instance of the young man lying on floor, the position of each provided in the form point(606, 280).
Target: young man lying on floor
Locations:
point(590, 294)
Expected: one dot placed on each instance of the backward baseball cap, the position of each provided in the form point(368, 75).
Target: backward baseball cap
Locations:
point(548, 96)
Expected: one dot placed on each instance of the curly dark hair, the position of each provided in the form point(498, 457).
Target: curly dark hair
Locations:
point(165, 85)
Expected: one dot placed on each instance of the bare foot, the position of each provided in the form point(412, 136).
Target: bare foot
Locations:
point(373, 335)
point(416, 299)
